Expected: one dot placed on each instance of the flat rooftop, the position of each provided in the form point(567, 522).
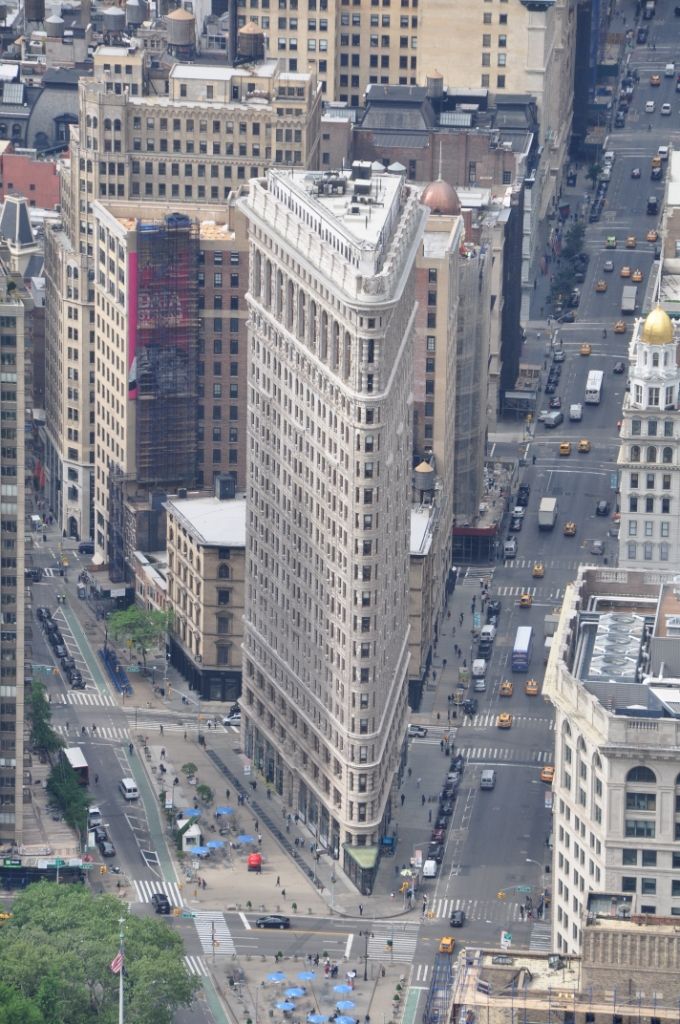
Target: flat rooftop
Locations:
point(422, 523)
point(211, 521)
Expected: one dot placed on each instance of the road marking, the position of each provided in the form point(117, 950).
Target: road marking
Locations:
point(213, 933)
point(196, 965)
point(246, 923)
point(348, 945)
point(145, 890)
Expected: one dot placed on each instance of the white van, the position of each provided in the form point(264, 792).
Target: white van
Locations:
point(487, 779)
point(510, 548)
point(128, 788)
point(478, 668)
point(576, 412)
point(669, 70)
point(430, 869)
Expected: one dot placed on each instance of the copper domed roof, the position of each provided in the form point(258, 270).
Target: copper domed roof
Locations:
point(250, 29)
point(442, 198)
point(179, 14)
point(657, 328)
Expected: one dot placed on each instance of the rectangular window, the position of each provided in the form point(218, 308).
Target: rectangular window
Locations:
point(628, 883)
point(640, 829)
point(629, 857)
point(640, 801)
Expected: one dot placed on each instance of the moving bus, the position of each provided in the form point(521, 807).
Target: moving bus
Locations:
point(76, 759)
point(521, 652)
point(594, 387)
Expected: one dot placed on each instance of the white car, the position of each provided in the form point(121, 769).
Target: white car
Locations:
point(233, 718)
point(417, 730)
point(608, 266)
point(666, 109)
point(650, 107)
point(479, 685)
point(518, 512)
point(542, 416)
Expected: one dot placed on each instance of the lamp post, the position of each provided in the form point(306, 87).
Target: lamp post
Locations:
point(530, 860)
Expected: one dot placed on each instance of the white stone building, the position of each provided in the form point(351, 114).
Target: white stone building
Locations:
point(649, 455)
point(332, 308)
point(614, 678)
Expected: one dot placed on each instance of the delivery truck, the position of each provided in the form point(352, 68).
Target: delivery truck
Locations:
point(629, 298)
point(547, 513)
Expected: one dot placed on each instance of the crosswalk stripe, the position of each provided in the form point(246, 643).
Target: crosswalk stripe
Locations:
point(474, 573)
point(145, 890)
point(403, 946)
point(210, 924)
point(540, 939)
point(103, 732)
point(91, 700)
point(150, 725)
point(422, 971)
point(488, 718)
point(497, 911)
point(196, 965)
point(484, 755)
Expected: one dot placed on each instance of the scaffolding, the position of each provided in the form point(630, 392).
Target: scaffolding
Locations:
point(439, 994)
point(163, 374)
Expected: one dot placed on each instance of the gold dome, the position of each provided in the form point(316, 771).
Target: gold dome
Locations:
point(442, 198)
point(657, 328)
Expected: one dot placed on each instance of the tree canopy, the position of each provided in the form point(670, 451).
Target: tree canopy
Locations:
point(140, 627)
point(56, 953)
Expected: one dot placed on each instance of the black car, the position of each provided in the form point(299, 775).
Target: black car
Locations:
point(161, 903)
point(442, 821)
point(106, 848)
point(551, 387)
point(457, 919)
point(44, 615)
point(33, 575)
point(86, 547)
point(78, 684)
point(602, 508)
point(516, 524)
point(494, 606)
point(642, 34)
point(620, 120)
point(458, 763)
point(593, 216)
point(273, 921)
point(470, 706)
point(446, 808)
point(435, 851)
point(619, 366)
point(68, 664)
point(448, 792)
point(100, 834)
point(55, 638)
point(60, 651)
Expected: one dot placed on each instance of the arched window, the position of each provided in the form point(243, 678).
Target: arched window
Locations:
point(107, 124)
point(223, 572)
point(566, 729)
point(667, 456)
point(635, 453)
point(640, 774)
point(116, 125)
point(651, 453)
point(655, 359)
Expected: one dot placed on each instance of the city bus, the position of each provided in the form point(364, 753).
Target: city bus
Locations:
point(76, 759)
point(594, 387)
point(521, 652)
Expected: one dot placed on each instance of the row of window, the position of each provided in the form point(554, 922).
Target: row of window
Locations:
point(648, 528)
point(650, 505)
point(651, 454)
point(632, 552)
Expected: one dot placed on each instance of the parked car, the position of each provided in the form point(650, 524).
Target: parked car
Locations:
point(100, 834)
point(435, 851)
point(602, 508)
point(233, 718)
point(417, 730)
point(106, 848)
point(60, 651)
point(43, 614)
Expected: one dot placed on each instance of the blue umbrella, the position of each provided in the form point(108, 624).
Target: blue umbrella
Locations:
point(307, 975)
point(342, 987)
point(215, 844)
point(224, 810)
point(345, 1020)
point(277, 976)
point(345, 1004)
point(294, 993)
point(245, 839)
point(286, 1006)
point(191, 812)
point(317, 1018)
point(200, 851)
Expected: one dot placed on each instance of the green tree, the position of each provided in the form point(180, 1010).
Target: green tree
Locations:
point(141, 628)
point(42, 735)
point(56, 953)
point(593, 173)
point(73, 799)
point(573, 240)
point(16, 1007)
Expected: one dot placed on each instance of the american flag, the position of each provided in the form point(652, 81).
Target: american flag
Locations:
point(117, 962)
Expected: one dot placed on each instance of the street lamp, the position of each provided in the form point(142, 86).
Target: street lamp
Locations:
point(530, 860)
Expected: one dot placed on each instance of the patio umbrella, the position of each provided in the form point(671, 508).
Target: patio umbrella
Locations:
point(317, 1018)
point(345, 1004)
point(200, 851)
point(276, 976)
point(307, 975)
point(285, 1005)
point(191, 812)
point(245, 839)
point(294, 993)
point(342, 987)
point(215, 844)
point(224, 810)
point(345, 1020)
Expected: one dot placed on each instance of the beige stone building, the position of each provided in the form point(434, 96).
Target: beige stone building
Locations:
point(206, 536)
point(332, 309)
point(178, 134)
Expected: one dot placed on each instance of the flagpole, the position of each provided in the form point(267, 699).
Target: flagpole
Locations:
point(120, 973)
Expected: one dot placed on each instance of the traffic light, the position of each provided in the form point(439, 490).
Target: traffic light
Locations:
point(500, 895)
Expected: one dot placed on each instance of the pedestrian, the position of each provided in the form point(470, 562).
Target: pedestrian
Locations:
point(278, 881)
point(255, 824)
point(259, 839)
point(429, 816)
point(409, 772)
point(162, 753)
point(422, 800)
point(204, 884)
point(228, 792)
point(361, 910)
point(161, 728)
point(460, 619)
point(283, 894)
point(96, 779)
point(66, 726)
point(418, 781)
point(441, 745)
point(185, 736)
point(403, 799)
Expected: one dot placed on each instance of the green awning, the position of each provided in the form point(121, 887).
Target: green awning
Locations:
point(365, 856)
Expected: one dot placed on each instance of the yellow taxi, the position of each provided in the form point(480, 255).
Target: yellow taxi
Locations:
point(637, 275)
point(525, 601)
point(584, 445)
point(655, 80)
point(620, 327)
point(565, 448)
point(531, 688)
point(538, 571)
point(504, 721)
point(652, 235)
point(631, 242)
point(569, 529)
point(548, 773)
point(601, 286)
point(625, 271)
point(506, 688)
point(585, 349)
point(447, 944)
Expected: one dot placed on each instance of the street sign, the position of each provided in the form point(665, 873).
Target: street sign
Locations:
point(524, 888)
point(614, 481)
point(477, 620)
point(506, 940)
